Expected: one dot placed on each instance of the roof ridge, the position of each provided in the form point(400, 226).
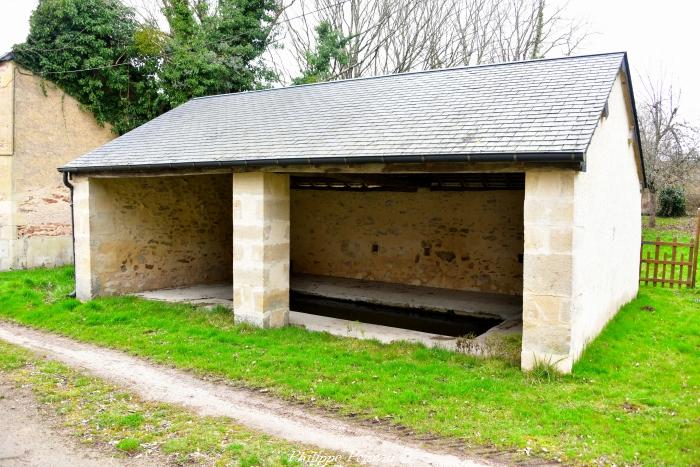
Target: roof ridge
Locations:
point(409, 73)
point(7, 56)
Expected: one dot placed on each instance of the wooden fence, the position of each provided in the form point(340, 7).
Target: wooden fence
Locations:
point(677, 267)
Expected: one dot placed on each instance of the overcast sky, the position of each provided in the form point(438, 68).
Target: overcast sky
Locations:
point(661, 37)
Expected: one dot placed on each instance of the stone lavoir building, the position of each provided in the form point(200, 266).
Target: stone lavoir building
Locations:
point(40, 128)
point(484, 196)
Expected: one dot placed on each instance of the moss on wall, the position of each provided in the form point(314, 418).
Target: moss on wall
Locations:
point(455, 240)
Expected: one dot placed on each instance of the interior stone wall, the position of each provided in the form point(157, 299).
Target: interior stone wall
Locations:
point(457, 240)
point(7, 101)
point(149, 233)
point(7, 231)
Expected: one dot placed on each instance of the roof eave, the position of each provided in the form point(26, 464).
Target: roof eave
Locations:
point(538, 157)
point(637, 134)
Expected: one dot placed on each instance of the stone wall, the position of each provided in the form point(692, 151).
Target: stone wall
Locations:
point(146, 233)
point(7, 230)
point(607, 221)
point(548, 268)
point(456, 240)
point(50, 128)
point(582, 234)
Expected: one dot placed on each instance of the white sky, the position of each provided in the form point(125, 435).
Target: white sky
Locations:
point(662, 38)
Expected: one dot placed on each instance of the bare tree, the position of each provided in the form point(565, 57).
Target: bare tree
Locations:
point(393, 36)
point(367, 25)
point(670, 144)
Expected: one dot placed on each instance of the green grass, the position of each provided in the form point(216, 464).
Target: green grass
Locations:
point(667, 229)
point(633, 396)
point(100, 414)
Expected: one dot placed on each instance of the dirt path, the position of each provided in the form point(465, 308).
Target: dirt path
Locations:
point(31, 438)
point(254, 410)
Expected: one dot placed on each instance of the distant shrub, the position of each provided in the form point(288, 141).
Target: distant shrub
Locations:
point(672, 202)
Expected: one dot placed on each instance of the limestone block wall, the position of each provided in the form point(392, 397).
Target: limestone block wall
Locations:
point(50, 128)
point(7, 100)
point(548, 268)
point(145, 233)
point(456, 240)
point(582, 234)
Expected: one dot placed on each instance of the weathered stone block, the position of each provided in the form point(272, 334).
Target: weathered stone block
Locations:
point(47, 251)
point(550, 184)
point(544, 310)
point(549, 212)
point(548, 274)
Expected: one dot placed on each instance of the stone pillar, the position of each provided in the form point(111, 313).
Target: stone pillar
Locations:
point(93, 214)
point(81, 228)
point(261, 249)
point(548, 268)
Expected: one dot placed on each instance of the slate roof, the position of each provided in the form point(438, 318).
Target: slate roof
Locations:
point(541, 108)
point(9, 56)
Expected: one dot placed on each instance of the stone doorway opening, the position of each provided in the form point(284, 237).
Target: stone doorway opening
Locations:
point(155, 232)
point(439, 254)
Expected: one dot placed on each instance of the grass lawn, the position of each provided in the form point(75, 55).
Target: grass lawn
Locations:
point(634, 397)
point(668, 228)
point(101, 414)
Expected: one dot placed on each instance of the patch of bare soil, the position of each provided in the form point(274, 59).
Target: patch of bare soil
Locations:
point(252, 409)
point(32, 437)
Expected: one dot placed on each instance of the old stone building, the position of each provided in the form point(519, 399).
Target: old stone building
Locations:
point(41, 128)
point(502, 196)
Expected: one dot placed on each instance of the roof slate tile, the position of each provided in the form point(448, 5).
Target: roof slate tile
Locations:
point(550, 105)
